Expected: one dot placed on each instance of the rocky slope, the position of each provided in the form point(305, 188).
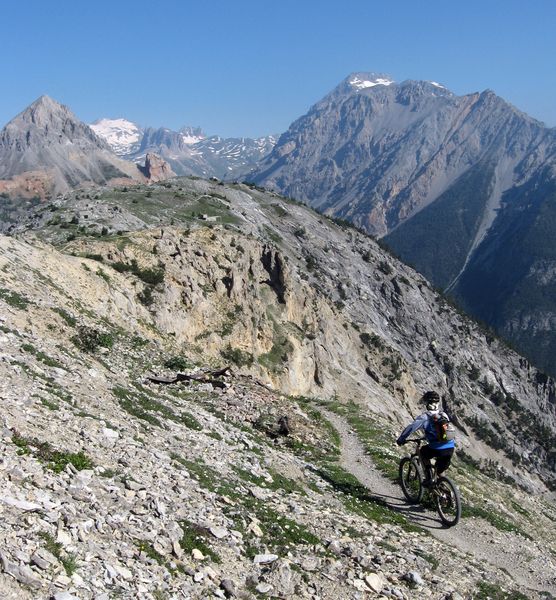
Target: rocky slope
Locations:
point(198, 488)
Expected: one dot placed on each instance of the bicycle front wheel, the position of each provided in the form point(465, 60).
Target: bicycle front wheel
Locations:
point(448, 502)
point(411, 480)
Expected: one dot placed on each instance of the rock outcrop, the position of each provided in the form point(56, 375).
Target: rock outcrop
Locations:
point(156, 169)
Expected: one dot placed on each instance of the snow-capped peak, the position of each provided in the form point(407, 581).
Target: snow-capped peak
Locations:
point(361, 84)
point(122, 135)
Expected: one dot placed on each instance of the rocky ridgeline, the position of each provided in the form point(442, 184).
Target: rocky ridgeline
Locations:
point(114, 486)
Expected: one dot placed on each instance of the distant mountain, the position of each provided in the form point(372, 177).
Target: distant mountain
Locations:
point(232, 158)
point(455, 184)
point(46, 149)
point(189, 151)
point(123, 136)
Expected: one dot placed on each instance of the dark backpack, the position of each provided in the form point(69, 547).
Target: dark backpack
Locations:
point(440, 430)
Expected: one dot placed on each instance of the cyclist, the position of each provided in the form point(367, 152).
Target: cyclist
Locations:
point(441, 449)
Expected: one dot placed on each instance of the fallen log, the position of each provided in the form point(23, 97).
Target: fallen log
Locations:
point(203, 377)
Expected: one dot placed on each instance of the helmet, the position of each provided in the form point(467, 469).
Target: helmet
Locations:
point(431, 399)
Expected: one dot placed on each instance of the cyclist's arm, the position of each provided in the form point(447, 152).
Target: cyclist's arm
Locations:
point(415, 426)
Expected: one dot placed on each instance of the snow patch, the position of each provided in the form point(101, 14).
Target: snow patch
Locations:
point(361, 84)
point(437, 85)
point(191, 139)
point(120, 134)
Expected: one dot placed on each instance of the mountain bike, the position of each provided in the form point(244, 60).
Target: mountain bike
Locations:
point(443, 490)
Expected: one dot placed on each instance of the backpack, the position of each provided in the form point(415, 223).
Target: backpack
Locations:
point(440, 429)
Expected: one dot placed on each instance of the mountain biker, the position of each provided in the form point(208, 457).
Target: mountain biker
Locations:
point(441, 450)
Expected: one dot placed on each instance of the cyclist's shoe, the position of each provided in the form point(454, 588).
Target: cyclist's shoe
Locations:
point(427, 483)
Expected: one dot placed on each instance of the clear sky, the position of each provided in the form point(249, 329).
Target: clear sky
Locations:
point(251, 67)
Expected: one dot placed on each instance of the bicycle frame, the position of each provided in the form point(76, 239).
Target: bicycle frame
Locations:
point(442, 489)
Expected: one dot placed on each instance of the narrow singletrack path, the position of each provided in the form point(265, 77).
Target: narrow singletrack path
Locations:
point(473, 536)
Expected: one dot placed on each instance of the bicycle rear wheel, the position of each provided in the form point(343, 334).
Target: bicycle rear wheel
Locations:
point(448, 502)
point(411, 479)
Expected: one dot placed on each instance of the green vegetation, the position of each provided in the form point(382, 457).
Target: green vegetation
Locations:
point(14, 299)
point(358, 499)
point(56, 460)
point(241, 358)
point(177, 363)
point(279, 532)
point(372, 341)
point(101, 273)
point(278, 355)
point(69, 319)
point(491, 591)
point(197, 537)
point(68, 560)
point(47, 360)
point(139, 405)
point(492, 517)
point(148, 549)
point(277, 482)
point(149, 276)
point(90, 339)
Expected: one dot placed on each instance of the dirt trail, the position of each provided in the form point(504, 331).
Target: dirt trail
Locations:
point(528, 566)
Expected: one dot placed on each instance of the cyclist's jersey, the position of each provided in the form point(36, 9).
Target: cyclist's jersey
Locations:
point(425, 422)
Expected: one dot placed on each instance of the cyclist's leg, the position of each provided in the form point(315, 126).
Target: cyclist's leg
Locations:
point(443, 459)
point(426, 453)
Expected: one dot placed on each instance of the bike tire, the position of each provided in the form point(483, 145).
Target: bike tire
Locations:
point(411, 480)
point(448, 501)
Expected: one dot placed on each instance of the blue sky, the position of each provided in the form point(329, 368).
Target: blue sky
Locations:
point(247, 67)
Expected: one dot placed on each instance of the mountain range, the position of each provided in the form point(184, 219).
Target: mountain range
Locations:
point(202, 383)
point(46, 150)
point(188, 151)
point(461, 187)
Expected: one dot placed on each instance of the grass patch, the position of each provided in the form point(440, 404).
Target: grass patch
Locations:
point(138, 405)
point(90, 339)
point(278, 355)
point(491, 591)
point(277, 481)
point(68, 560)
point(69, 319)
point(178, 363)
point(197, 537)
point(56, 460)
point(189, 421)
point(495, 519)
point(357, 498)
point(149, 276)
point(44, 358)
point(14, 299)
point(241, 358)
